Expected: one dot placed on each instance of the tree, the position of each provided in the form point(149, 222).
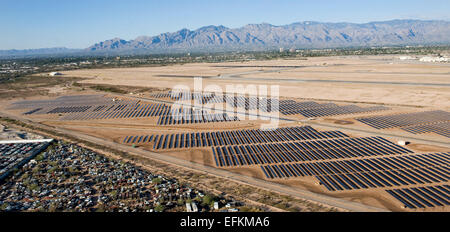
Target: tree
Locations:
point(208, 199)
point(160, 208)
point(157, 180)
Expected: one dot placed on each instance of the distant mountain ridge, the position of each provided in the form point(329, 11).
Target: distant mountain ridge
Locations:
point(264, 36)
point(297, 35)
point(37, 52)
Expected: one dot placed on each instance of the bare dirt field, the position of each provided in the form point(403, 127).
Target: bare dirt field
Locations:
point(373, 79)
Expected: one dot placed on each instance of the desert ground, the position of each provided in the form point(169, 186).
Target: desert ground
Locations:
point(403, 86)
point(371, 79)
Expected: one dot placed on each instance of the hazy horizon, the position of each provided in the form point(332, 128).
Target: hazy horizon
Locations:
point(192, 29)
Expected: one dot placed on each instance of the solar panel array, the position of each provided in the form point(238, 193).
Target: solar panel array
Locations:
point(336, 161)
point(440, 128)
point(140, 139)
point(32, 111)
point(305, 151)
point(69, 109)
point(369, 164)
point(403, 120)
point(233, 137)
point(422, 197)
point(195, 117)
point(237, 101)
point(72, 100)
point(314, 109)
point(370, 173)
point(437, 121)
point(252, 103)
point(125, 111)
point(77, 106)
point(286, 107)
point(91, 107)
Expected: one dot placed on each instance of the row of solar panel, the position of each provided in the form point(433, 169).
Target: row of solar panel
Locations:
point(371, 164)
point(339, 110)
point(221, 138)
point(140, 139)
point(381, 179)
point(403, 120)
point(99, 108)
point(308, 150)
point(252, 103)
point(297, 107)
point(195, 118)
point(85, 108)
point(123, 111)
point(248, 103)
point(440, 128)
point(287, 107)
point(422, 197)
point(75, 100)
point(185, 95)
point(32, 111)
point(304, 151)
point(204, 96)
point(69, 109)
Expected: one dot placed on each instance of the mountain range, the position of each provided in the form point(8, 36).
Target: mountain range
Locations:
point(259, 37)
point(297, 35)
point(39, 52)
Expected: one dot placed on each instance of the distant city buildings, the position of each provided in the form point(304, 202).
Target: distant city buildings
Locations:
point(434, 59)
point(407, 58)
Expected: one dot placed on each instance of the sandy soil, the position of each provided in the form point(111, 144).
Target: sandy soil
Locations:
point(381, 69)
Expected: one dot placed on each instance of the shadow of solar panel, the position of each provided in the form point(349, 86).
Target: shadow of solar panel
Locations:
point(32, 111)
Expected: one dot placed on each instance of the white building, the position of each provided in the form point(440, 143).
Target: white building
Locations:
point(52, 74)
point(402, 143)
point(434, 59)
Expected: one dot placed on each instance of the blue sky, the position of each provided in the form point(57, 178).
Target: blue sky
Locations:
point(81, 23)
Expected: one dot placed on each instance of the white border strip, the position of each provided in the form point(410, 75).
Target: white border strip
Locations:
point(26, 141)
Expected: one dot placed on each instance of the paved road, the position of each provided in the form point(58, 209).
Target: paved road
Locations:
point(303, 194)
point(238, 76)
point(293, 80)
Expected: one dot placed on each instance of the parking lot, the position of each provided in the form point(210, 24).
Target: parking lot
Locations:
point(14, 154)
point(67, 177)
